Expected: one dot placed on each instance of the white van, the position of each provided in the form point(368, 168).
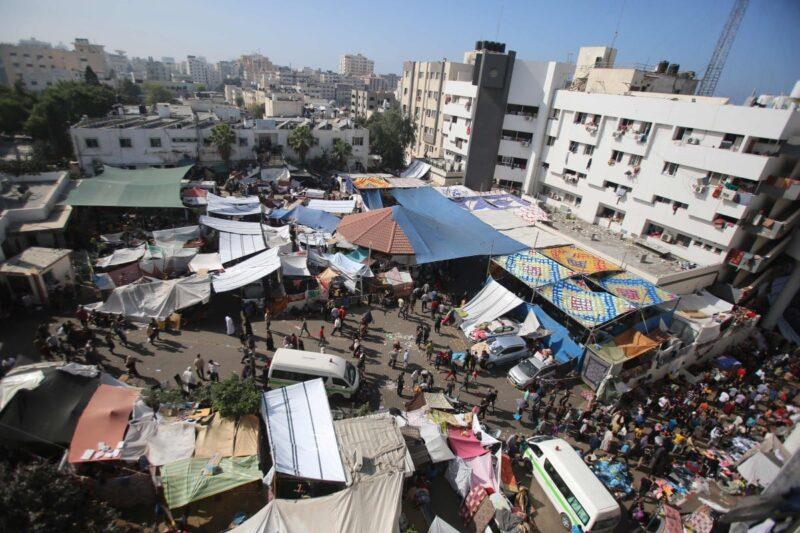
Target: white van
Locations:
point(294, 366)
point(573, 489)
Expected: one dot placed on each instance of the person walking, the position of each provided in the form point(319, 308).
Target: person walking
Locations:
point(405, 359)
point(437, 325)
point(401, 307)
point(213, 370)
point(491, 398)
point(429, 351)
point(401, 382)
point(248, 327)
point(304, 328)
point(130, 366)
point(199, 367)
point(322, 341)
point(337, 326)
point(267, 318)
point(230, 326)
point(270, 342)
point(393, 357)
point(110, 342)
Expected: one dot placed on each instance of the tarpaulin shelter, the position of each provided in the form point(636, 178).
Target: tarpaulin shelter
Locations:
point(464, 443)
point(533, 213)
point(117, 187)
point(173, 441)
point(417, 169)
point(535, 238)
point(559, 340)
point(501, 219)
point(578, 260)
point(301, 435)
point(312, 218)
point(352, 270)
point(295, 265)
point(104, 420)
point(429, 432)
point(232, 205)
point(205, 263)
point(533, 268)
point(333, 206)
point(459, 475)
point(372, 505)
point(186, 480)
point(474, 203)
point(589, 308)
point(759, 469)
point(372, 198)
point(491, 302)
point(376, 230)
point(440, 526)
point(228, 438)
point(636, 290)
point(175, 238)
point(233, 246)
point(370, 182)
point(11, 384)
point(396, 278)
point(48, 412)
point(506, 201)
point(121, 256)
point(371, 446)
point(157, 299)
point(248, 271)
point(439, 230)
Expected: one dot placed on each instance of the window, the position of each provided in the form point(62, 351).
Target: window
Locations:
point(358, 141)
point(669, 169)
point(155, 142)
point(522, 110)
point(635, 160)
point(554, 114)
point(562, 487)
point(292, 376)
point(340, 382)
point(550, 140)
point(573, 147)
point(92, 143)
point(682, 133)
point(125, 143)
point(580, 118)
point(625, 123)
point(616, 156)
point(242, 141)
point(588, 149)
point(536, 450)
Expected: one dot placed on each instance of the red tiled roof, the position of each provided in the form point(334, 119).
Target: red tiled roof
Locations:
point(376, 230)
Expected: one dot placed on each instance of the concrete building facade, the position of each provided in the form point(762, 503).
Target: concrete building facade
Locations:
point(355, 65)
point(363, 103)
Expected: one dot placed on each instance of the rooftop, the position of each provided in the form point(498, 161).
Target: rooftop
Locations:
point(33, 260)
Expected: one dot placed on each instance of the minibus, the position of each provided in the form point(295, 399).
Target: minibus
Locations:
point(294, 366)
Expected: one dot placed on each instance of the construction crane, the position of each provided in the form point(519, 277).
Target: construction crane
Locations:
point(724, 43)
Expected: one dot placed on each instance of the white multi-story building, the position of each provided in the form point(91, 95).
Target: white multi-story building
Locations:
point(355, 65)
point(40, 65)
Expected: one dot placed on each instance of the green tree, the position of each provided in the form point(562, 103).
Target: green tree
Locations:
point(200, 87)
point(62, 105)
point(256, 110)
point(35, 497)
point(234, 397)
point(239, 101)
point(390, 133)
point(15, 106)
point(155, 94)
point(90, 77)
point(301, 141)
point(341, 153)
point(223, 137)
point(129, 92)
point(321, 163)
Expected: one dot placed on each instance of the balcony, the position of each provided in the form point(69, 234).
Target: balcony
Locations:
point(770, 228)
point(503, 172)
point(526, 123)
point(756, 263)
point(749, 166)
point(514, 148)
point(786, 188)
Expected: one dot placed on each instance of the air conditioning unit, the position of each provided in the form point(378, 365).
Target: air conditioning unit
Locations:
point(728, 194)
point(667, 237)
point(525, 143)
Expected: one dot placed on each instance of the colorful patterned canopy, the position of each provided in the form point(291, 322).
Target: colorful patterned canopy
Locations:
point(636, 290)
point(579, 260)
point(588, 307)
point(532, 268)
point(370, 182)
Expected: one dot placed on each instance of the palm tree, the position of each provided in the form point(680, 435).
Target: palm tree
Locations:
point(223, 137)
point(341, 153)
point(301, 141)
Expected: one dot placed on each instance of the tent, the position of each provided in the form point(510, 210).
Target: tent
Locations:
point(175, 238)
point(459, 475)
point(417, 169)
point(405, 182)
point(636, 290)
point(376, 230)
point(371, 505)
point(559, 340)
point(579, 260)
point(473, 203)
point(187, 480)
point(371, 446)
point(759, 469)
point(372, 199)
point(533, 268)
point(312, 218)
point(295, 265)
point(141, 428)
point(205, 263)
point(227, 438)
point(492, 301)
point(533, 213)
point(440, 526)
point(464, 443)
point(233, 246)
point(157, 299)
point(11, 384)
point(589, 308)
point(102, 423)
point(172, 442)
point(49, 412)
point(333, 206)
point(248, 271)
point(301, 434)
point(117, 187)
point(121, 256)
point(232, 205)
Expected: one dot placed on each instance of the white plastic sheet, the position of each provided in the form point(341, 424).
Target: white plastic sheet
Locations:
point(206, 262)
point(536, 238)
point(301, 434)
point(156, 298)
point(231, 226)
point(333, 206)
point(294, 265)
point(121, 257)
point(247, 271)
point(232, 246)
point(10, 385)
point(501, 219)
point(491, 302)
point(459, 475)
point(173, 238)
point(172, 442)
point(233, 206)
point(416, 169)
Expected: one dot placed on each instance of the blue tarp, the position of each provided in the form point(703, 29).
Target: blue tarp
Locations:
point(440, 230)
point(372, 198)
point(359, 254)
point(313, 218)
point(564, 348)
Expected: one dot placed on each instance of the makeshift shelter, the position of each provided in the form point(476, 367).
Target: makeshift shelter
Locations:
point(351, 270)
point(157, 299)
point(121, 256)
point(506, 201)
point(295, 265)
point(248, 271)
point(342, 207)
point(228, 438)
point(101, 427)
point(759, 469)
point(559, 340)
point(464, 443)
point(371, 446)
point(116, 187)
point(175, 238)
point(459, 475)
point(533, 214)
point(370, 182)
point(636, 290)
point(233, 246)
point(201, 263)
point(629, 344)
point(172, 442)
point(491, 302)
point(533, 268)
point(589, 308)
point(11, 384)
point(312, 218)
point(376, 230)
point(372, 504)
point(535, 238)
point(501, 219)
point(232, 205)
point(578, 260)
point(301, 434)
point(188, 480)
point(400, 281)
point(372, 199)
point(141, 428)
point(417, 169)
point(473, 203)
point(440, 526)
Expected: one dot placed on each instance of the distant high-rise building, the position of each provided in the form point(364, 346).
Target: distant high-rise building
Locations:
point(254, 66)
point(156, 71)
point(355, 65)
point(39, 64)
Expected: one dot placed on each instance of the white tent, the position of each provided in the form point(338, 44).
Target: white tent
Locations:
point(172, 442)
point(371, 505)
point(333, 206)
point(233, 206)
point(491, 302)
point(459, 475)
point(416, 169)
point(372, 446)
point(231, 226)
point(301, 435)
point(530, 325)
point(759, 470)
point(174, 238)
point(294, 265)
point(121, 257)
point(247, 271)
point(173, 260)
point(207, 262)
point(232, 246)
point(440, 526)
point(157, 298)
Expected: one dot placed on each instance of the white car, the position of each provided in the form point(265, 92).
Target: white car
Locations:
point(495, 328)
point(502, 350)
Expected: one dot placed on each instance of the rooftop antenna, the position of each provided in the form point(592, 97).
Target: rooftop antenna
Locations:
point(724, 44)
point(619, 21)
point(499, 20)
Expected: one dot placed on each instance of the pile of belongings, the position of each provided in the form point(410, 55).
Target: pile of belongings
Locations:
point(615, 476)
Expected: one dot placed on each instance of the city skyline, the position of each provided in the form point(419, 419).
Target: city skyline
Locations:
point(681, 32)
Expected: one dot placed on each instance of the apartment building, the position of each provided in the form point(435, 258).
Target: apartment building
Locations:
point(355, 65)
point(421, 97)
point(693, 175)
point(39, 64)
point(283, 105)
point(363, 103)
point(156, 71)
point(253, 66)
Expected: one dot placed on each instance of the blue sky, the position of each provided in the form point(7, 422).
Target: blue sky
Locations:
point(304, 33)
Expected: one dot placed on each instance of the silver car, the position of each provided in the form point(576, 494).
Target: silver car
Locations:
point(502, 350)
point(529, 370)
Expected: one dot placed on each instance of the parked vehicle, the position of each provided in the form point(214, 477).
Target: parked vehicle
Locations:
point(295, 366)
point(529, 370)
point(503, 350)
